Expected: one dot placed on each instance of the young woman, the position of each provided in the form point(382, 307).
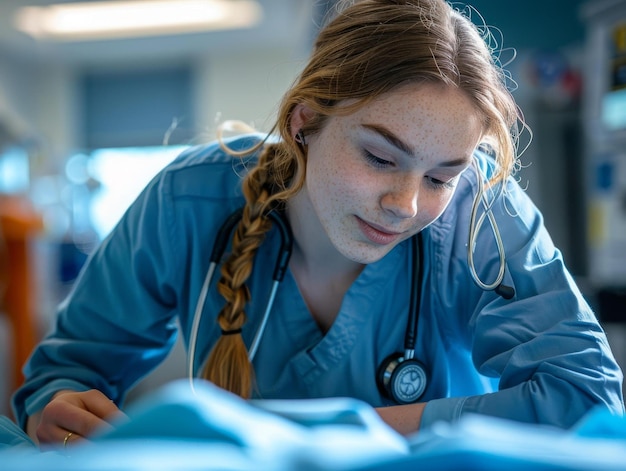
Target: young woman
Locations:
point(421, 278)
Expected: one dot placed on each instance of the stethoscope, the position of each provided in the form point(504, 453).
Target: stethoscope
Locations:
point(400, 377)
point(219, 247)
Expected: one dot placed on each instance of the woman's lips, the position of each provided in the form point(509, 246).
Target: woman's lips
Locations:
point(376, 234)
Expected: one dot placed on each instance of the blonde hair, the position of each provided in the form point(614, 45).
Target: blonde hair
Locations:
point(369, 48)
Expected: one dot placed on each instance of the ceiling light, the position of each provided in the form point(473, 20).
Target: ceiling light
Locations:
point(119, 19)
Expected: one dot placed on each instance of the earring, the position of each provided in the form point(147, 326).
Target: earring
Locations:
point(300, 139)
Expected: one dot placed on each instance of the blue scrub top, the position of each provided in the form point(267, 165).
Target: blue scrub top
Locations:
point(539, 357)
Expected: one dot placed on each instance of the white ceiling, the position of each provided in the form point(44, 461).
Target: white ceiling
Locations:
point(285, 22)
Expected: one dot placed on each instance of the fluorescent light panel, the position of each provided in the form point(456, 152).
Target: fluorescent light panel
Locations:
point(119, 19)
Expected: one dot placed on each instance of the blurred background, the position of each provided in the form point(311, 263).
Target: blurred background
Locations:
point(91, 108)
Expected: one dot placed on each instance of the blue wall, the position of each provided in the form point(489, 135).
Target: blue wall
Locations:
point(535, 24)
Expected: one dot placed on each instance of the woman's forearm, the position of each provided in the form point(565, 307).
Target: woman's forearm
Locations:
point(404, 419)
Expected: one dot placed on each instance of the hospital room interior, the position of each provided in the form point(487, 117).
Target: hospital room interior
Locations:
point(89, 115)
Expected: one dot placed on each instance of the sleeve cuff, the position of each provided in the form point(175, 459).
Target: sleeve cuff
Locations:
point(42, 396)
point(442, 410)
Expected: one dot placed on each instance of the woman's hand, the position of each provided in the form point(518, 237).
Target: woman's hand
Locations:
point(72, 416)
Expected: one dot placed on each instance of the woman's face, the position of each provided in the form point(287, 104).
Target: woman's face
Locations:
point(377, 177)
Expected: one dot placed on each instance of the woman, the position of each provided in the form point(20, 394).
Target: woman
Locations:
point(378, 143)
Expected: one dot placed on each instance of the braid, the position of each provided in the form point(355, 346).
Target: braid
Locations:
point(228, 365)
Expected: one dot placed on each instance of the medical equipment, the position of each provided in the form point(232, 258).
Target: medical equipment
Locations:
point(400, 376)
point(219, 247)
point(507, 292)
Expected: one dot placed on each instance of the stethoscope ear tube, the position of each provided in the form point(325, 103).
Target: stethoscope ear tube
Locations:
point(223, 235)
point(282, 262)
point(507, 292)
point(286, 245)
point(219, 247)
point(193, 336)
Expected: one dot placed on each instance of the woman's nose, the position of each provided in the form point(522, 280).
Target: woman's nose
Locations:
point(402, 201)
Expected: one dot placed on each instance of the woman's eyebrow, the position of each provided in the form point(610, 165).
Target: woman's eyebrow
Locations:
point(455, 163)
point(399, 144)
point(391, 138)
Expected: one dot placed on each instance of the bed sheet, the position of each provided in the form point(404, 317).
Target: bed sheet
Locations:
point(205, 428)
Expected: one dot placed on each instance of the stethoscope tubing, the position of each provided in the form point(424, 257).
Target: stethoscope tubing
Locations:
point(219, 247)
point(193, 336)
point(506, 292)
point(259, 333)
point(410, 337)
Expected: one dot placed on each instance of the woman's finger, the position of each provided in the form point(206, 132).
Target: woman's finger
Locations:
point(80, 414)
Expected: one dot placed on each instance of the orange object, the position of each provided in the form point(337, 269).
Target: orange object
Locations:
point(19, 223)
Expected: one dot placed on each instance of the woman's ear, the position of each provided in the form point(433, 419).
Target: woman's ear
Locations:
point(300, 115)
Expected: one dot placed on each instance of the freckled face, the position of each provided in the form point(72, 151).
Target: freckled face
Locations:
point(380, 175)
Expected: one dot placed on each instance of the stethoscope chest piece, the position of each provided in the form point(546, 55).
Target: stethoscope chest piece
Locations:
point(403, 380)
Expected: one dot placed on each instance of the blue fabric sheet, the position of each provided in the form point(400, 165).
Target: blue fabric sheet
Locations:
point(177, 428)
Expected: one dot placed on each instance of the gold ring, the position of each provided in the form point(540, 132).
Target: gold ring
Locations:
point(67, 437)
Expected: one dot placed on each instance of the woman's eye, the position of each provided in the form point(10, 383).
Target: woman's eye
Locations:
point(435, 182)
point(376, 161)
